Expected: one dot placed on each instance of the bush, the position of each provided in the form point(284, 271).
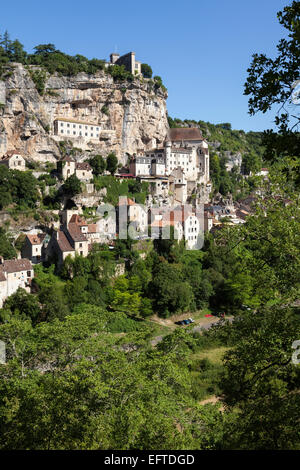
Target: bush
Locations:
point(146, 71)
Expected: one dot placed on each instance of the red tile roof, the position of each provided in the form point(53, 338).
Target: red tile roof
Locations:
point(78, 220)
point(36, 239)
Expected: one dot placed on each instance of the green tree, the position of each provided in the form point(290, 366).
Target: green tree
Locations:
point(98, 164)
point(6, 248)
point(23, 304)
point(146, 71)
point(72, 185)
point(269, 83)
point(111, 163)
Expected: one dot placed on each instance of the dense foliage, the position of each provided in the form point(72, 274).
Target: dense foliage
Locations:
point(49, 59)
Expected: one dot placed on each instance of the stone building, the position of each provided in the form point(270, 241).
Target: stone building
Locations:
point(71, 128)
point(184, 161)
point(13, 161)
point(34, 247)
point(128, 60)
point(186, 223)
point(68, 167)
point(14, 273)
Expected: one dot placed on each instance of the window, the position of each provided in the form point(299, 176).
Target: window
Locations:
point(74, 125)
point(79, 126)
point(74, 132)
point(80, 245)
point(92, 135)
point(86, 134)
point(68, 125)
point(61, 123)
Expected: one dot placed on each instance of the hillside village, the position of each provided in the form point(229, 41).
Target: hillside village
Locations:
point(176, 174)
point(175, 169)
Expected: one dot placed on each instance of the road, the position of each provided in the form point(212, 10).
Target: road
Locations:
point(197, 328)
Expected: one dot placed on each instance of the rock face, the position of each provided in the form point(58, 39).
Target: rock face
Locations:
point(131, 116)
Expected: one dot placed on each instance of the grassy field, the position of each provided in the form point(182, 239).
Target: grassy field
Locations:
point(206, 368)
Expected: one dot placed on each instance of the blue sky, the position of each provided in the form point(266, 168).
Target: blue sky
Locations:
point(201, 49)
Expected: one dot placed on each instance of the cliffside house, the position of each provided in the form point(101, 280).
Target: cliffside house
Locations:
point(74, 129)
point(14, 161)
point(68, 167)
point(34, 247)
point(14, 273)
point(128, 60)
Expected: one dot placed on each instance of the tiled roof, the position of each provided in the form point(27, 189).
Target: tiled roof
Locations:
point(36, 239)
point(181, 149)
point(9, 154)
point(92, 228)
point(68, 159)
point(63, 242)
point(78, 220)
point(75, 233)
point(16, 265)
point(75, 121)
point(83, 166)
point(185, 133)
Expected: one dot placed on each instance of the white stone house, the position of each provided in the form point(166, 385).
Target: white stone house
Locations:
point(13, 161)
point(71, 128)
point(14, 273)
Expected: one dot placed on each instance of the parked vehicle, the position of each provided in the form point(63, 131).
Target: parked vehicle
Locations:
point(186, 321)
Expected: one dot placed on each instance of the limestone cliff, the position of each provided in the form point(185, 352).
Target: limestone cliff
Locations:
point(131, 116)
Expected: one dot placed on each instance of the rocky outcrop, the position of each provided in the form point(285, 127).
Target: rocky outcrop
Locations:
point(131, 116)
